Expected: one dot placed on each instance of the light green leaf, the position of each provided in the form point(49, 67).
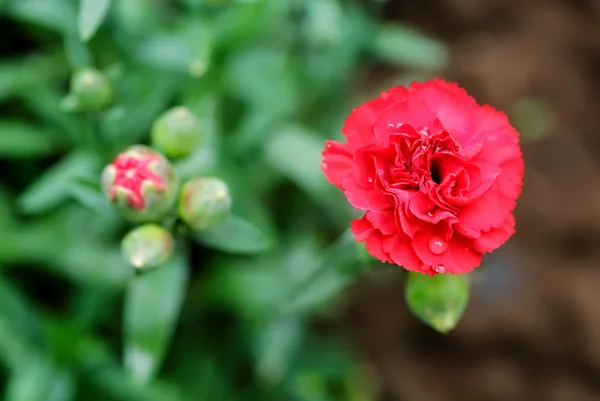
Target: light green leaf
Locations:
point(272, 85)
point(168, 52)
point(234, 235)
point(92, 198)
point(408, 47)
point(38, 379)
point(296, 153)
point(58, 15)
point(91, 15)
point(335, 271)
point(52, 187)
point(438, 300)
point(152, 305)
point(19, 139)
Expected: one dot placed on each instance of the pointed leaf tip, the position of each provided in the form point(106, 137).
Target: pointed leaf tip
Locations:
point(438, 300)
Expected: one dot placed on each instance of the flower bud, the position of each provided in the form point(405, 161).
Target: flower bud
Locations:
point(90, 90)
point(177, 132)
point(140, 183)
point(204, 203)
point(147, 246)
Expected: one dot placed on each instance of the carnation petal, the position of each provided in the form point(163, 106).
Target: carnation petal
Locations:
point(361, 228)
point(409, 112)
point(492, 239)
point(358, 127)
point(487, 212)
point(401, 252)
point(365, 198)
point(337, 162)
point(384, 221)
point(374, 246)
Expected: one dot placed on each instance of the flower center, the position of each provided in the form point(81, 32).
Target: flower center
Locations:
point(435, 173)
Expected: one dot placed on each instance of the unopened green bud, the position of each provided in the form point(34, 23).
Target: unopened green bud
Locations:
point(177, 132)
point(204, 203)
point(147, 246)
point(90, 90)
point(141, 184)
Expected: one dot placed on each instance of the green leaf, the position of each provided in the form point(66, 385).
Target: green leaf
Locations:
point(272, 85)
point(77, 53)
point(44, 102)
point(152, 305)
point(38, 379)
point(335, 271)
point(204, 159)
point(407, 47)
point(27, 75)
point(52, 187)
point(138, 17)
point(234, 235)
point(20, 333)
point(275, 346)
point(58, 15)
point(303, 164)
point(92, 198)
point(19, 139)
point(438, 300)
point(91, 15)
point(167, 52)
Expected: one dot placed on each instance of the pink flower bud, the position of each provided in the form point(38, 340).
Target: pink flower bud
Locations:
point(141, 183)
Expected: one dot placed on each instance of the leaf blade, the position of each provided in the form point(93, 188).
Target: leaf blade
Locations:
point(234, 235)
point(91, 15)
point(152, 306)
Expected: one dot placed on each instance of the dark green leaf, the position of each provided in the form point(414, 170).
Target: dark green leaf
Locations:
point(276, 345)
point(335, 271)
point(234, 235)
point(438, 300)
point(19, 139)
point(152, 306)
point(20, 333)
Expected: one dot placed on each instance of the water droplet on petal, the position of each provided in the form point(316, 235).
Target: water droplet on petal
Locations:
point(324, 166)
point(437, 245)
point(328, 146)
point(430, 213)
point(441, 269)
point(370, 179)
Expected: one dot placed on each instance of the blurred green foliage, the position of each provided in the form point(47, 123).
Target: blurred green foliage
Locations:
point(224, 319)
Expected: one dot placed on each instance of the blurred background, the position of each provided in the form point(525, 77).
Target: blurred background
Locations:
point(271, 80)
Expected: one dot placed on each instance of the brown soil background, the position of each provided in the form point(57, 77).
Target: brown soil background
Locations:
point(532, 329)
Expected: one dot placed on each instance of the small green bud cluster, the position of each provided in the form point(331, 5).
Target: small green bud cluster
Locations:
point(142, 184)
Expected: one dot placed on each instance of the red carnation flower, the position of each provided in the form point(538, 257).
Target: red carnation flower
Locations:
point(436, 174)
